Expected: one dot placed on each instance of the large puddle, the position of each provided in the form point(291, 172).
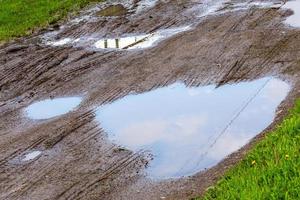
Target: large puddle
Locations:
point(293, 20)
point(52, 107)
point(190, 129)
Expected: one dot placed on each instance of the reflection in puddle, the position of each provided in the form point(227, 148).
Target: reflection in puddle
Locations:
point(143, 41)
point(31, 156)
point(60, 42)
point(51, 108)
point(138, 41)
point(293, 20)
point(190, 129)
point(126, 42)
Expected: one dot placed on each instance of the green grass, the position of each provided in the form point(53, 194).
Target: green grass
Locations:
point(21, 17)
point(271, 170)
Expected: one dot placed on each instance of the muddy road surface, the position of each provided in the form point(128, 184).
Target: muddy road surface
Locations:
point(143, 99)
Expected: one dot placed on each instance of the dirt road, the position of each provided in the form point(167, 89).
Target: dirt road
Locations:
point(225, 43)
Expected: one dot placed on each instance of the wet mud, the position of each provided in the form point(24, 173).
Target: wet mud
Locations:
point(114, 10)
point(77, 153)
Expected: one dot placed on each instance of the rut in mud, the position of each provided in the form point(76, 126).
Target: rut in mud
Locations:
point(80, 152)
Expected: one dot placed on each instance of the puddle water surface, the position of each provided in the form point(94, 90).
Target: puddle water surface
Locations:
point(142, 41)
point(223, 6)
point(60, 42)
point(132, 42)
point(190, 129)
point(113, 10)
point(31, 156)
point(52, 107)
point(293, 20)
point(125, 42)
point(145, 4)
point(231, 6)
point(138, 41)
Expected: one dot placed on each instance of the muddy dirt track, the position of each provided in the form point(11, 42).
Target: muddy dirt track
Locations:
point(78, 161)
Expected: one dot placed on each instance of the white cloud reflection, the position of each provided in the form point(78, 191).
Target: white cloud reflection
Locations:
point(293, 20)
point(182, 126)
point(52, 107)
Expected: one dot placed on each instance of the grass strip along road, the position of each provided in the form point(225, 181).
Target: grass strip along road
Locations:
point(21, 17)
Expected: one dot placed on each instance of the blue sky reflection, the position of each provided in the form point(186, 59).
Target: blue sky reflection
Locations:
point(181, 126)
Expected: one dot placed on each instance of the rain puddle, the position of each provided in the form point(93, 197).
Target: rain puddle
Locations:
point(224, 6)
point(145, 4)
point(126, 42)
point(293, 20)
point(189, 129)
point(31, 156)
point(113, 10)
point(231, 6)
point(142, 41)
point(52, 107)
point(60, 42)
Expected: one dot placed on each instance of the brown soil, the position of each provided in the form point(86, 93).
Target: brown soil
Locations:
point(78, 161)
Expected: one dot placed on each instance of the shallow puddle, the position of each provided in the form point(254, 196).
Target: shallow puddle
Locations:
point(293, 20)
point(145, 4)
point(52, 107)
point(125, 42)
point(138, 41)
point(142, 41)
point(31, 156)
point(60, 42)
point(231, 6)
point(190, 129)
point(223, 6)
point(113, 11)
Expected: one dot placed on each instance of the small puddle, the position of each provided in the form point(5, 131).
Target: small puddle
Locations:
point(52, 107)
point(31, 156)
point(191, 129)
point(132, 42)
point(138, 41)
point(231, 6)
point(129, 42)
point(113, 11)
point(60, 42)
point(293, 20)
point(224, 6)
point(145, 4)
